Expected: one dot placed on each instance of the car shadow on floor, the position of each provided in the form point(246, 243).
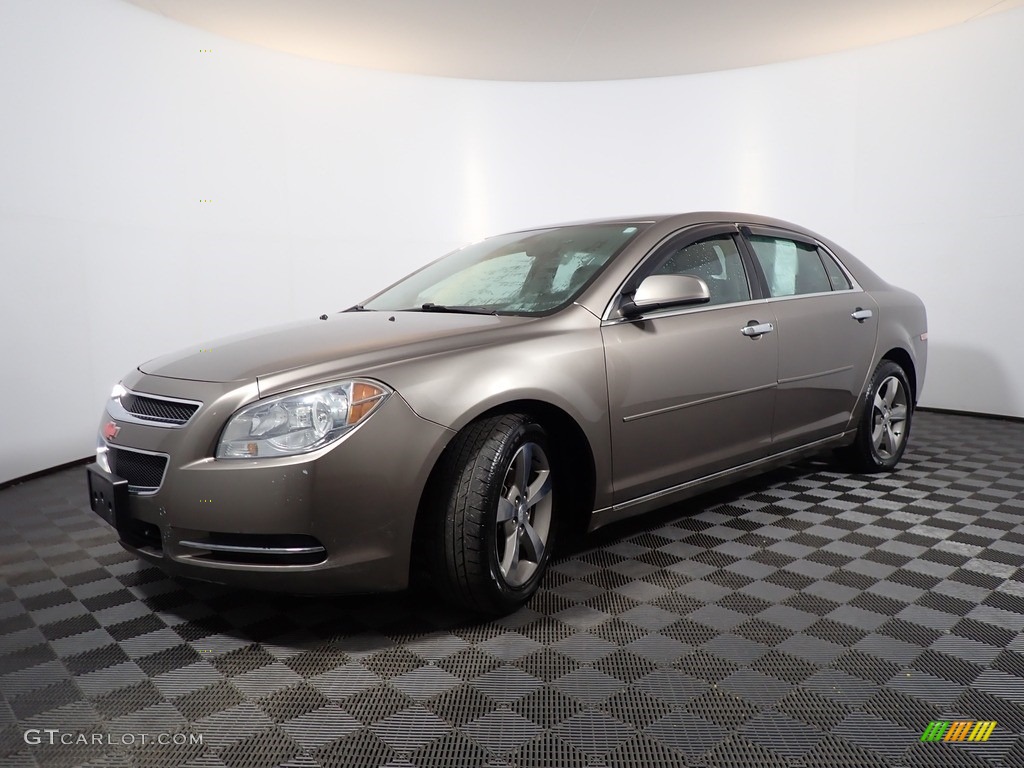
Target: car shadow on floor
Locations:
point(361, 624)
point(670, 513)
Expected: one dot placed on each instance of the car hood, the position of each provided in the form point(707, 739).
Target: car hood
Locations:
point(345, 341)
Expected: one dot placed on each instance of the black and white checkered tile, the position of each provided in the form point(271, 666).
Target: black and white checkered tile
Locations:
point(807, 618)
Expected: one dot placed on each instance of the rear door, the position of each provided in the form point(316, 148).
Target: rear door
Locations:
point(826, 328)
point(691, 391)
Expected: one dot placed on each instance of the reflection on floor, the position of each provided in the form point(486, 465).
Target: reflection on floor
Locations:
point(808, 618)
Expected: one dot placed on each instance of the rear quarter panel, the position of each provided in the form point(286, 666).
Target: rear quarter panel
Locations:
point(903, 324)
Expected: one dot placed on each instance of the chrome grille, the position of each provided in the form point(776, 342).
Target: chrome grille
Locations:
point(143, 471)
point(158, 410)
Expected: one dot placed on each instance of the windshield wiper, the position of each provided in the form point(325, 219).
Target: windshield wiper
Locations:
point(358, 308)
point(461, 310)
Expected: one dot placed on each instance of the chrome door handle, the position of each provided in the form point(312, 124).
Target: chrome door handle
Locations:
point(757, 329)
point(861, 315)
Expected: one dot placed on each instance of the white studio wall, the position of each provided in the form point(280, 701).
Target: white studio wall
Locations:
point(162, 187)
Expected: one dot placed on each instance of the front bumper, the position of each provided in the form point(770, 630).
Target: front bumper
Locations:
point(337, 520)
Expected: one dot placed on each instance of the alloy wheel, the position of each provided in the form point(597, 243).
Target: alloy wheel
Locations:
point(524, 514)
point(889, 417)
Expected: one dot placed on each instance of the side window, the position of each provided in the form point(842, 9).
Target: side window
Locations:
point(716, 261)
point(791, 268)
point(840, 282)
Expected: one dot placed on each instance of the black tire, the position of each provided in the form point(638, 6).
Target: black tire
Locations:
point(480, 562)
point(884, 426)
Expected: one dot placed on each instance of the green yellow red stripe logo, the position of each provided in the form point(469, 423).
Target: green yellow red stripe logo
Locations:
point(958, 730)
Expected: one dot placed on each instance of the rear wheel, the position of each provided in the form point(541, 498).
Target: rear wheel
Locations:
point(495, 514)
point(885, 423)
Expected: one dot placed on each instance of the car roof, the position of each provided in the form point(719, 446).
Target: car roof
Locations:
point(682, 220)
point(665, 223)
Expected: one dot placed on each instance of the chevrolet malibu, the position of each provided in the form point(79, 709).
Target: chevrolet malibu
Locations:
point(552, 379)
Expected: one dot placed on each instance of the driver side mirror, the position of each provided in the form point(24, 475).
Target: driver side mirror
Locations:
point(662, 291)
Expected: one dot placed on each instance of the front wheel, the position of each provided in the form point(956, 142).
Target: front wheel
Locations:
point(885, 423)
point(495, 513)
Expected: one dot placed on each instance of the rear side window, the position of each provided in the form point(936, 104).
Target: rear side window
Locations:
point(840, 282)
point(792, 268)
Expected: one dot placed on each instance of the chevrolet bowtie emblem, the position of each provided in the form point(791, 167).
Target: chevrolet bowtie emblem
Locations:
point(110, 430)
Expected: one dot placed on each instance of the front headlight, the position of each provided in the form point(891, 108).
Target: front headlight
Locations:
point(102, 451)
point(299, 422)
point(102, 454)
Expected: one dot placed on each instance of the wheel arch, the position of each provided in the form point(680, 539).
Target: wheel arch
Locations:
point(903, 359)
point(571, 449)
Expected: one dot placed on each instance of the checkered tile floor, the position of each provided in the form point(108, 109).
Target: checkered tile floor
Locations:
point(807, 618)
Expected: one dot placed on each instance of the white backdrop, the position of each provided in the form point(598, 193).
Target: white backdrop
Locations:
point(325, 183)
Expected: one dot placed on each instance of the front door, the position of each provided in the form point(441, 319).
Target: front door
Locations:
point(691, 391)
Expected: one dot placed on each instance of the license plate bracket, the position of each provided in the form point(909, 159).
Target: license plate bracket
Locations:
point(108, 495)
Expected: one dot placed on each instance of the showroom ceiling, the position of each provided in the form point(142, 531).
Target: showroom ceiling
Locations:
point(560, 40)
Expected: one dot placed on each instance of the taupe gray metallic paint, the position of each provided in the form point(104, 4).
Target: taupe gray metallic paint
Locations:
point(726, 405)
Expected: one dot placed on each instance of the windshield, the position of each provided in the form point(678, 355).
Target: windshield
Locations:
point(524, 273)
